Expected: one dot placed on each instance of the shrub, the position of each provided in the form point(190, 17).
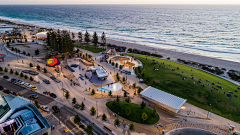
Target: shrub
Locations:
point(124, 79)
point(144, 116)
point(139, 90)
point(38, 67)
point(74, 100)
point(21, 74)
point(31, 78)
point(5, 69)
point(128, 100)
point(117, 122)
point(30, 65)
point(110, 93)
point(89, 129)
point(28, 54)
point(134, 85)
point(104, 117)
point(77, 119)
point(93, 92)
point(143, 104)
point(67, 95)
point(25, 76)
point(93, 111)
point(11, 71)
point(16, 73)
point(131, 127)
point(154, 112)
point(82, 106)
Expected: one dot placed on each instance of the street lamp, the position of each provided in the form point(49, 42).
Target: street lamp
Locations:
point(97, 108)
point(208, 109)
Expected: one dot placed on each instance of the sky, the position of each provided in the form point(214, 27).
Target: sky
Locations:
point(23, 2)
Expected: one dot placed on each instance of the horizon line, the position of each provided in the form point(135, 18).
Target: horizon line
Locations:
point(117, 4)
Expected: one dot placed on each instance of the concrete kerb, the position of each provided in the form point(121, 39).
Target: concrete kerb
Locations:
point(5, 46)
point(63, 124)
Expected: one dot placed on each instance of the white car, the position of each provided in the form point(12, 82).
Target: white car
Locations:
point(22, 83)
point(28, 85)
point(44, 108)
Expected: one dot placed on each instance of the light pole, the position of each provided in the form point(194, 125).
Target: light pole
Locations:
point(97, 108)
point(208, 110)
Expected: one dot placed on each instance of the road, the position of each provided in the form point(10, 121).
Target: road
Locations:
point(65, 111)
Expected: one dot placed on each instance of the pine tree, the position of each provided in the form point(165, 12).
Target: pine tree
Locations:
point(104, 117)
point(144, 116)
point(95, 39)
point(87, 37)
point(117, 122)
point(80, 38)
point(131, 127)
point(103, 38)
point(110, 93)
point(74, 101)
point(128, 100)
point(154, 112)
point(143, 104)
point(82, 106)
point(67, 95)
point(93, 111)
point(77, 119)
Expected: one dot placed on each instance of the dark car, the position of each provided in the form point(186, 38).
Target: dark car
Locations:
point(46, 81)
point(35, 96)
point(230, 92)
point(81, 75)
point(13, 80)
point(1, 73)
point(69, 68)
point(81, 78)
point(26, 71)
point(53, 95)
point(55, 109)
point(53, 78)
point(14, 93)
point(74, 65)
point(1, 87)
point(6, 77)
point(6, 91)
point(77, 106)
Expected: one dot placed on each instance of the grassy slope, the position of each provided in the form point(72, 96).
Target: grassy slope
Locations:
point(136, 112)
point(171, 81)
point(91, 48)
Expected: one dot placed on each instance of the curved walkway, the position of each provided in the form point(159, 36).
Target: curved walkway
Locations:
point(215, 129)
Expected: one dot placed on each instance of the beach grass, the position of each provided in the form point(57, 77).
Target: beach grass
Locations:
point(196, 94)
point(90, 48)
point(136, 112)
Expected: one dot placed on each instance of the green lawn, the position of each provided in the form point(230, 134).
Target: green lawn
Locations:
point(91, 48)
point(136, 112)
point(172, 82)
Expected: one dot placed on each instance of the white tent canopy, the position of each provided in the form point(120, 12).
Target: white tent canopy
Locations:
point(42, 35)
point(163, 99)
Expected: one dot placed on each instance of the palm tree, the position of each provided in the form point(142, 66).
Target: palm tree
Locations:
point(87, 37)
point(95, 39)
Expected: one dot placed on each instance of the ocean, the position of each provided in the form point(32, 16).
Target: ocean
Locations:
point(209, 30)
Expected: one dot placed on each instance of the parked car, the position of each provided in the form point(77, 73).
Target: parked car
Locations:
point(7, 91)
point(74, 65)
point(44, 108)
point(22, 83)
point(69, 68)
point(77, 106)
point(1, 87)
point(229, 95)
point(14, 93)
point(28, 85)
point(6, 77)
point(46, 92)
point(1, 73)
point(33, 87)
point(81, 78)
point(81, 75)
point(13, 80)
point(19, 81)
point(53, 95)
point(46, 81)
point(55, 109)
point(230, 92)
point(34, 96)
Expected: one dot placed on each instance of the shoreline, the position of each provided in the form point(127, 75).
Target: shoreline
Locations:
point(174, 55)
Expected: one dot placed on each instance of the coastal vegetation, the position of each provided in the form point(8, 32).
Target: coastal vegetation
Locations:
point(133, 112)
point(198, 87)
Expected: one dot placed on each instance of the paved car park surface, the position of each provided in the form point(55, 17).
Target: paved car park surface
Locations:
point(65, 111)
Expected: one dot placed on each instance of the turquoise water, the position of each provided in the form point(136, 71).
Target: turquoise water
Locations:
point(114, 87)
point(205, 30)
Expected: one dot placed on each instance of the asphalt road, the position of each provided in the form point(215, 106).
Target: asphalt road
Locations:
point(65, 111)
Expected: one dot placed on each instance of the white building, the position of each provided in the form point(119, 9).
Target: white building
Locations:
point(102, 74)
point(163, 99)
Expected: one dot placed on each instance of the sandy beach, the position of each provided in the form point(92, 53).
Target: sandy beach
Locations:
point(230, 65)
point(174, 55)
